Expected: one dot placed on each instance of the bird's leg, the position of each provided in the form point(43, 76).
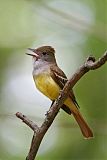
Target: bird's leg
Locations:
point(50, 107)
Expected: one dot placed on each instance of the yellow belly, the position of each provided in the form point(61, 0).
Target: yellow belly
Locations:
point(49, 88)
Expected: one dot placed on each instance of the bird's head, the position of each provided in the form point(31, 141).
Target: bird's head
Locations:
point(44, 53)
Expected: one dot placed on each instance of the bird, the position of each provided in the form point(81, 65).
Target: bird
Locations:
point(50, 80)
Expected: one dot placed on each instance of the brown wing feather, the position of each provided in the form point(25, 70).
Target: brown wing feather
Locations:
point(60, 78)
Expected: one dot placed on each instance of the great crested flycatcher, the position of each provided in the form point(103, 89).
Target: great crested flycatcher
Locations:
point(50, 79)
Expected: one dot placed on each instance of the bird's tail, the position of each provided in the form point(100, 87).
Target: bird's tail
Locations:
point(86, 131)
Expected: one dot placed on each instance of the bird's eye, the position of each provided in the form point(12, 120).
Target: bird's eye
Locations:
point(44, 53)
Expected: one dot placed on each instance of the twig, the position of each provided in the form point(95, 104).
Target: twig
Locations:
point(39, 132)
point(28, 122)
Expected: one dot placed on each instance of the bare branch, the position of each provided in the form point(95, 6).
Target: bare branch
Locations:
point(28, 122)
point(98, 63)
point(39, 132)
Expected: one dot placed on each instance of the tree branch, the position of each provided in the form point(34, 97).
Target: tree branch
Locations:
point(28, 122)
point(39, 132)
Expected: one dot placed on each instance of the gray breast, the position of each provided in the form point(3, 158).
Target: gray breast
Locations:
point(40, 67)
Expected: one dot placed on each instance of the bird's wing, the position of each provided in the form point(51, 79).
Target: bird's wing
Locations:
point(60, 78)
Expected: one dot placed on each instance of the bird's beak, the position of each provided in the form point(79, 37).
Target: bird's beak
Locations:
point(33, 54)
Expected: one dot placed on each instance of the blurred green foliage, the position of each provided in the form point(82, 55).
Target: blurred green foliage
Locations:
point(76, 28)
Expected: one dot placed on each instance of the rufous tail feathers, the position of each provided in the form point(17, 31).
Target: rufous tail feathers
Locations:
point(86, 131)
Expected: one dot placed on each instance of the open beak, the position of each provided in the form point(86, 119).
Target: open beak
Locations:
point(33, 54)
